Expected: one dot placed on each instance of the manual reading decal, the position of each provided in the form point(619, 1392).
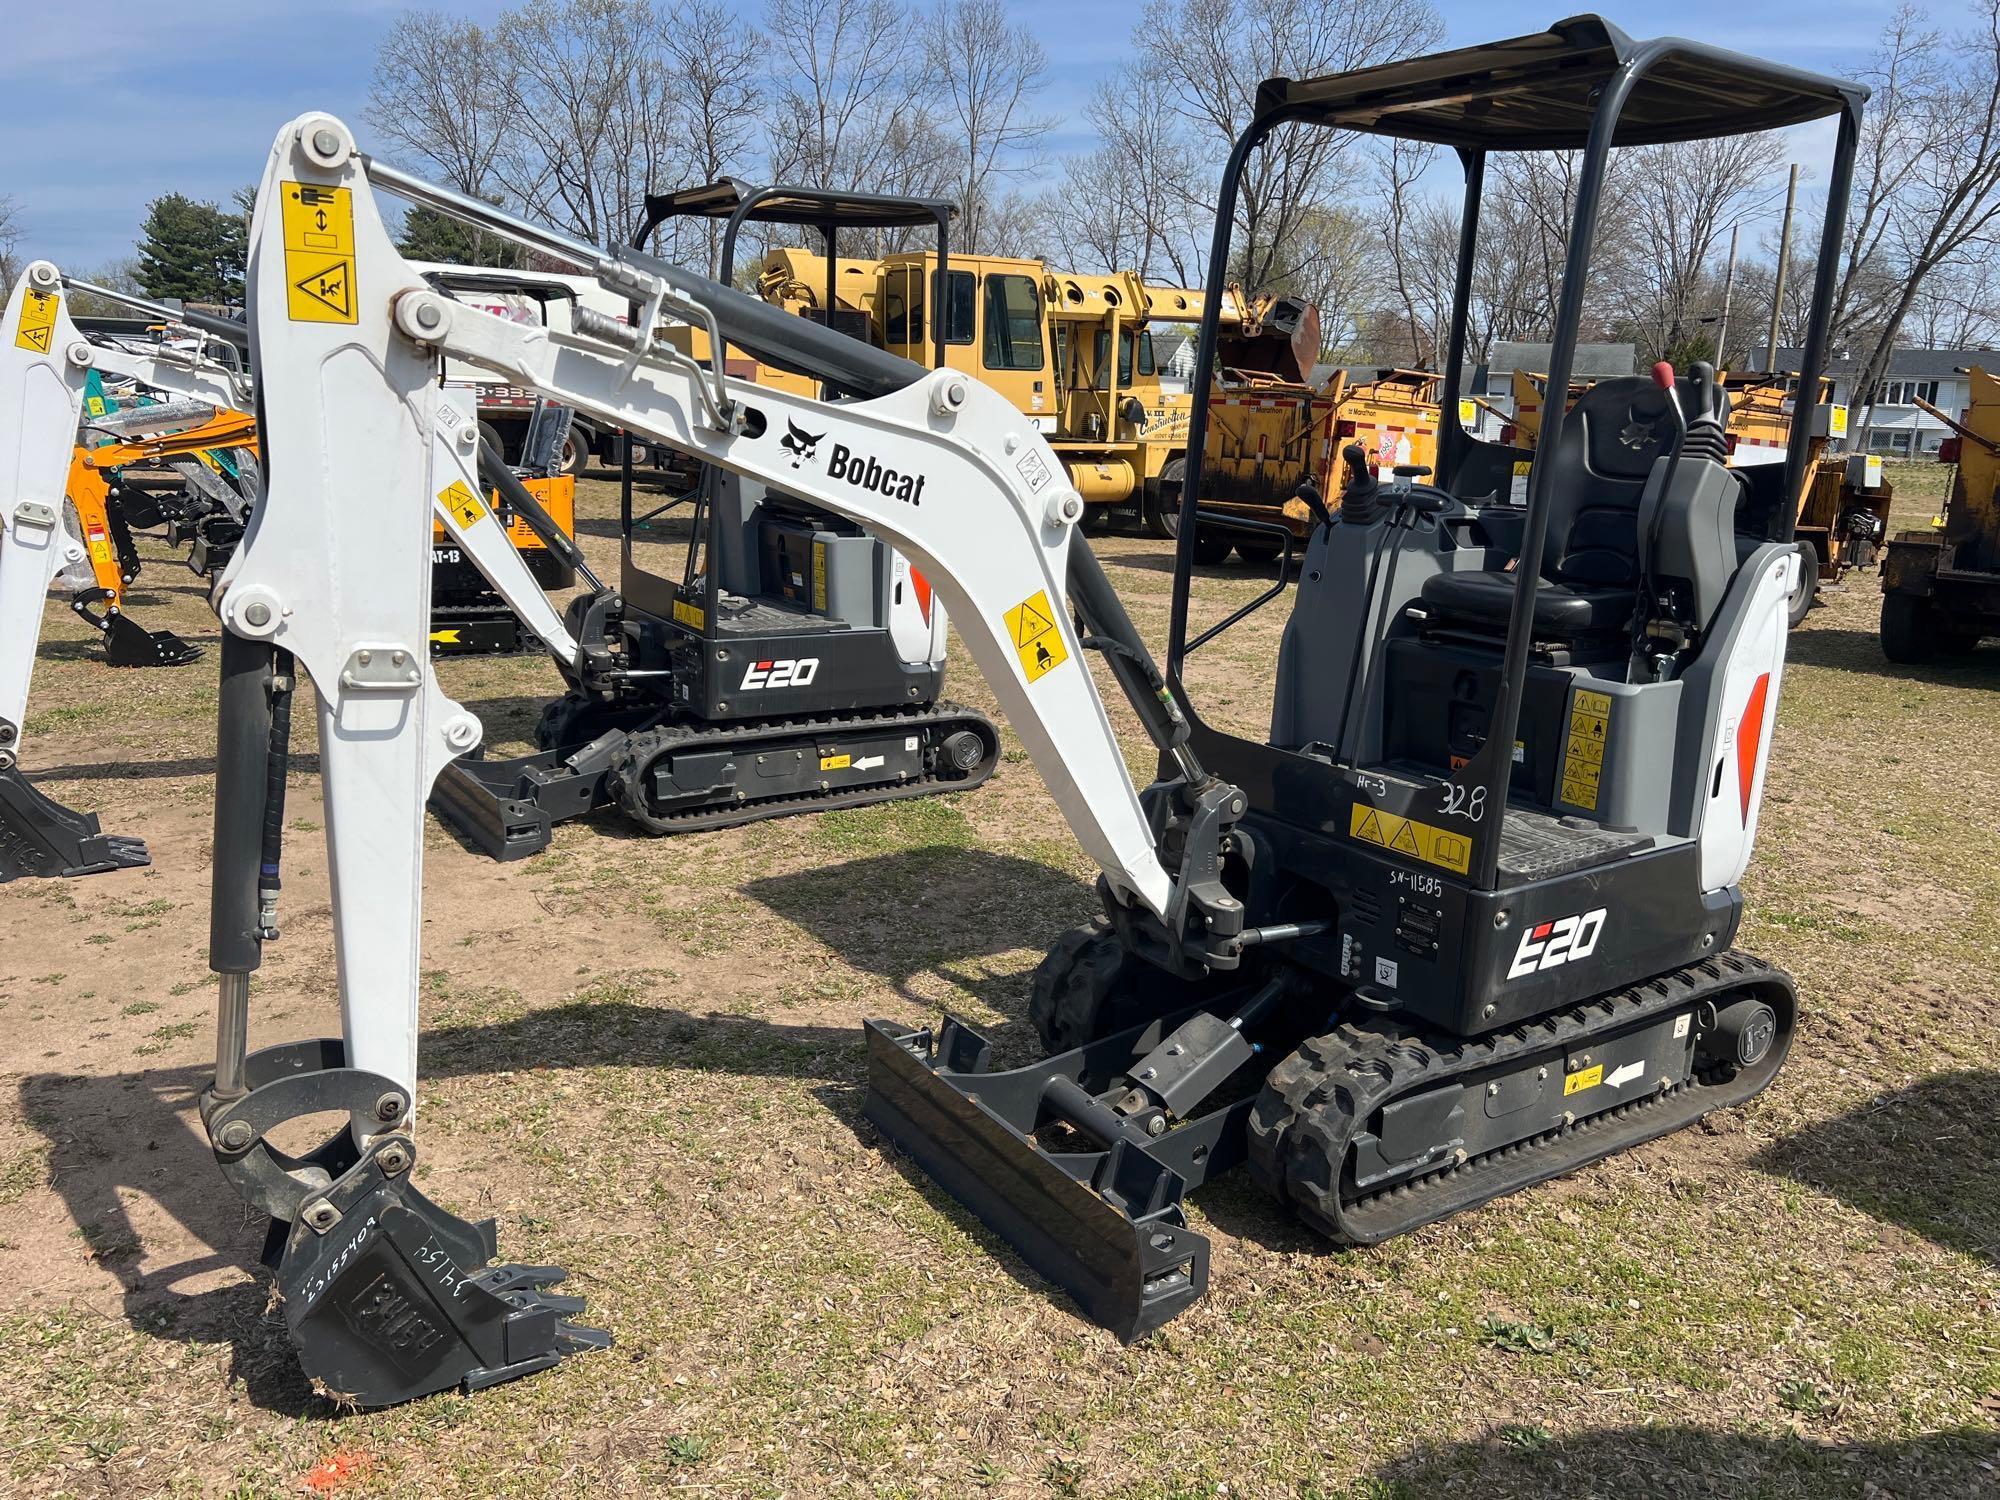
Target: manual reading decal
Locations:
point(1583, 754)
point(38, 321)
point(1031, 625)
point(460, 503)
point(319, 253)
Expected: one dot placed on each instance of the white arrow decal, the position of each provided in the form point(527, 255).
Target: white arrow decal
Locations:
point(1625, 1074)
point(869, 762)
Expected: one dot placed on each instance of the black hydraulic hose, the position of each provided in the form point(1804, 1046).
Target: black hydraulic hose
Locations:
point(277, 762)
point(242, 779)
point(495, 473)
point(1103, 614)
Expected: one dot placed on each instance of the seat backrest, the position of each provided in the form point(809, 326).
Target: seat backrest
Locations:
point(1603, 453)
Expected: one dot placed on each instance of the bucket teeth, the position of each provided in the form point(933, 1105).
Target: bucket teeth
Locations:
point(39, 836)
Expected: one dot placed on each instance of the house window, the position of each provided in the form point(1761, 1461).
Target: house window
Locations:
point(1891, 442)
point(1907, 392)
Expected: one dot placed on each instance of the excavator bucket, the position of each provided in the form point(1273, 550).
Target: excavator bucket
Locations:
point(39, 836)
point(388, 1297)
point(1103, 1222)
point(129, 644)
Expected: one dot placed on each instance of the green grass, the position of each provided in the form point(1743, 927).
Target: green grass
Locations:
point(643, 1059)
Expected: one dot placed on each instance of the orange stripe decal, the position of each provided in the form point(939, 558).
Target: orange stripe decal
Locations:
point(1750, 735)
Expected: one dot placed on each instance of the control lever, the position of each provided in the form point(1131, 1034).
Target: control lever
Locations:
point(1308, 492)
point(1358, 495)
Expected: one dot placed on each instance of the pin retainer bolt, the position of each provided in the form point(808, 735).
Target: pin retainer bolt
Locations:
point(390, 1107)
point(236, 1135)
point(43, 276)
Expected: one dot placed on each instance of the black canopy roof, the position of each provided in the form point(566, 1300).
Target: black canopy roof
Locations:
point(785, 205)
point(1539, 92)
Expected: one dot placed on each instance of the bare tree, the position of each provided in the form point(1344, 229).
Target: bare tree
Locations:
point(1141, 186)
point(1402, 164)
point(441, 92)
point(11, 230)
point(1210, 55)
point(1958, 306)
point(120, 275)
point(714, 55)
point(1947, 205)
point(593, 120)
point(1694, 190)
point(987, 74)
point(1896, 131)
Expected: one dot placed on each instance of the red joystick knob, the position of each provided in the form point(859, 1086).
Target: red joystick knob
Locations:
point(1663, 375)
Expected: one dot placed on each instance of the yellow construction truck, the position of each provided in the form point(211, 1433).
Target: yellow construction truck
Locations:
point(1045, 339)
point(1941, 585)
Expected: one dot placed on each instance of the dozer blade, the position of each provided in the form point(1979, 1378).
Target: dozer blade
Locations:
point(128, 644)
point(39, 836)
point(1103, 1223)
point(389, 1297)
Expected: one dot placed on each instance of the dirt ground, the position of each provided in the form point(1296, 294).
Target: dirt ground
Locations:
point(644, 1059)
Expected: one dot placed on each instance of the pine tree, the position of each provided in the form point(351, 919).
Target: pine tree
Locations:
point(430, 235)
point(193, 251)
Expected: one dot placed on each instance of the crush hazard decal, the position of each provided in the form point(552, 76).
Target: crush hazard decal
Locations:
point(460, 503)
point(38, 321)
point(1031, 626)
point(1548, 945)
point(319, 253)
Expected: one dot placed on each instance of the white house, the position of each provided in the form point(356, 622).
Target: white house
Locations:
point(1899, 428)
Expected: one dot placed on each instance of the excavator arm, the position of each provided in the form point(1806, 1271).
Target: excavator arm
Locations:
point(43, 365)
point(333, 575)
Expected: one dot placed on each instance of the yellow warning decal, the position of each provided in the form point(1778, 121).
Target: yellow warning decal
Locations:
point(1589, 1078)
point(460, 503)
point(100, 550)
point(691, 615)
point(1031, 625)
point(319, 253)
point(835, 762)
point(38, 321)
point(97, 406)
point(1836, 422)
point(1406, 836)
point(1583, 751)
point(1468, 413)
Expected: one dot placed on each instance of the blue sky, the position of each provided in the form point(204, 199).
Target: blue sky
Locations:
point(105, 106)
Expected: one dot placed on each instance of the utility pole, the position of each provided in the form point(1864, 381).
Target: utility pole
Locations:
point(1784, 260)
point(1728, 284)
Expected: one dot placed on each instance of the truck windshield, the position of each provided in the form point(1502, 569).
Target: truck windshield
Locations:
point(1013, 323)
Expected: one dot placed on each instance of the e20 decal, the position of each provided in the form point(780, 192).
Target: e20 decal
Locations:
point(795, 671)
point(1563, 940)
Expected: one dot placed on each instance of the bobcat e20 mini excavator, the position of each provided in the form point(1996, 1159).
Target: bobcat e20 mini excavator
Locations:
point(1408, 985)
point(792, 663)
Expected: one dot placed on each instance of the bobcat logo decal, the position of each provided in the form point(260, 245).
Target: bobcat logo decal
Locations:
point(798, 442)
point(1638, 434)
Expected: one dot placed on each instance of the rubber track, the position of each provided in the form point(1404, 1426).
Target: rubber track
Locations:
point(1302, 1126)
point(644, 745)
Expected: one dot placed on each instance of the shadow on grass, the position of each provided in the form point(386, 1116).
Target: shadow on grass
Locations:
point(1921, 1157)
point(934, 909)
point(1850, 650)
point(120, 1138)
point(1522, 1462)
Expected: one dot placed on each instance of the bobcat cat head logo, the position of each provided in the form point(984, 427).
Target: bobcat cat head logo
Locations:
point(1638, 434)
point(798, 442)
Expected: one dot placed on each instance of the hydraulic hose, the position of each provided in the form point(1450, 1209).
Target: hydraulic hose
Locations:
point(494, 471)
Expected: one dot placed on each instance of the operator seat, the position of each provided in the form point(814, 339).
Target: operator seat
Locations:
point(1590, 566)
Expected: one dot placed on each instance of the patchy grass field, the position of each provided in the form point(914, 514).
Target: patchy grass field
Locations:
point(644, 1058)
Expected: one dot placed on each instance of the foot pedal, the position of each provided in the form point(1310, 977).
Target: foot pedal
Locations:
point(389, 1297)
point(41, 837)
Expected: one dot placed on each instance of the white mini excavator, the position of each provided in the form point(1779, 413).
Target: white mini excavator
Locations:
point(1462, 920)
